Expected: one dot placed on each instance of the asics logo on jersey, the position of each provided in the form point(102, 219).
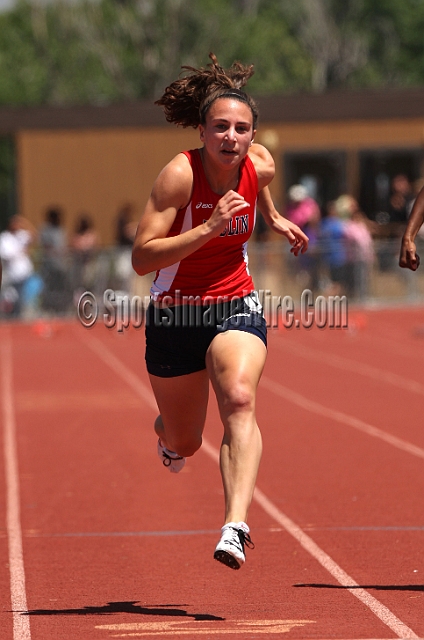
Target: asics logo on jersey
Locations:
point(203, 205)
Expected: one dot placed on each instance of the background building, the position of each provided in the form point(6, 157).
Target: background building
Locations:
point(95, 159)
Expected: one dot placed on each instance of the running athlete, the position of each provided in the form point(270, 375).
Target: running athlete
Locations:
point(409, 258)
point(205, 322)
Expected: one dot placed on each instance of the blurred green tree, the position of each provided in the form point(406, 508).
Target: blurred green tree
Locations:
point(103, 51)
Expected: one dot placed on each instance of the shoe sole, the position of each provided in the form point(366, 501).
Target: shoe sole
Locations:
point(227, 559)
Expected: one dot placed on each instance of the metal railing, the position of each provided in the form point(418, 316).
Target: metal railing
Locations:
point(58, 283)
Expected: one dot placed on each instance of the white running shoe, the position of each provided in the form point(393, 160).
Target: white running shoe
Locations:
point(230, 549)
point(170, 459)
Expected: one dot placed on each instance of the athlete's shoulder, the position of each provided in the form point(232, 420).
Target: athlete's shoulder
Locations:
point(263, 162)
point(175, 181)
point(180, 166)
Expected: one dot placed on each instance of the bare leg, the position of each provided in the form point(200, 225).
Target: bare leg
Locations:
point(235, 362)
point(182, 403)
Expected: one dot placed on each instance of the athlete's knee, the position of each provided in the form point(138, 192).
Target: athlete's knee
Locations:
point(239, 398)
point(158, 426)
point(182, 437)
point(184, 446)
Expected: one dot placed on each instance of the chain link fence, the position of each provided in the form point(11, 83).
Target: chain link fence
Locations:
point(57, 284)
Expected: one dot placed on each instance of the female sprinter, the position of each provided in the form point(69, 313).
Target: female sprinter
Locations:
point(205, 321)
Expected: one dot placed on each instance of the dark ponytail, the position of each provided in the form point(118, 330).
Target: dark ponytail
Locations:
point(187, 100)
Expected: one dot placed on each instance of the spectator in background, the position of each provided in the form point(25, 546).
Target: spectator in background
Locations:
point(401, 200)
point(83, 244)
point(398, 211)
point(304, 211)
point(301, 208)
point(52, 236)
point(53, 266)
point(333, 250)
point(359, 246)
point(126, 228)
point(15, 245)
point(85, 238)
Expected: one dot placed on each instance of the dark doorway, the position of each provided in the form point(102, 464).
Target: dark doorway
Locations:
point(7, 180)
point(377, 170)
point(322, 173)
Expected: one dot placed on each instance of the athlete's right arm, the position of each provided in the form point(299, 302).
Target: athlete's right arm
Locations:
point(152, 249)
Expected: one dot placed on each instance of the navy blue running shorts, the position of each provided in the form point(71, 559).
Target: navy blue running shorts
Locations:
point(177, 338)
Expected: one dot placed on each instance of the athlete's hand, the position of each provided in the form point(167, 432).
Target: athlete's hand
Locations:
point(298, 239)
point(229, 205)
point(409, 258)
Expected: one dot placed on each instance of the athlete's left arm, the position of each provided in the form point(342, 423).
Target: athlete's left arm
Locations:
point(297, 238)
point(265, 170)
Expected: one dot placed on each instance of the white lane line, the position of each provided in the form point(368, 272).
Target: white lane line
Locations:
point(390, 341)
point(338, 416)
point(122, 370)
point(380, 610)
point(346, 364)
point(21, 626)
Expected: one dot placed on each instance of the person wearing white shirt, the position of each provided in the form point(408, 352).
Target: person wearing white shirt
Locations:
point(17, 264)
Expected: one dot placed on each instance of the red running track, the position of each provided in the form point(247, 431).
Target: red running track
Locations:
point(99, 541)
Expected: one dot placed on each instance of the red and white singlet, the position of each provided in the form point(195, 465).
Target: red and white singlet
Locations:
point(219, 268)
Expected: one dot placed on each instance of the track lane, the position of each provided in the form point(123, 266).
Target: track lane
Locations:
point(81, 451)
point(383, 616)
point(384, 488)
point(349, 381)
